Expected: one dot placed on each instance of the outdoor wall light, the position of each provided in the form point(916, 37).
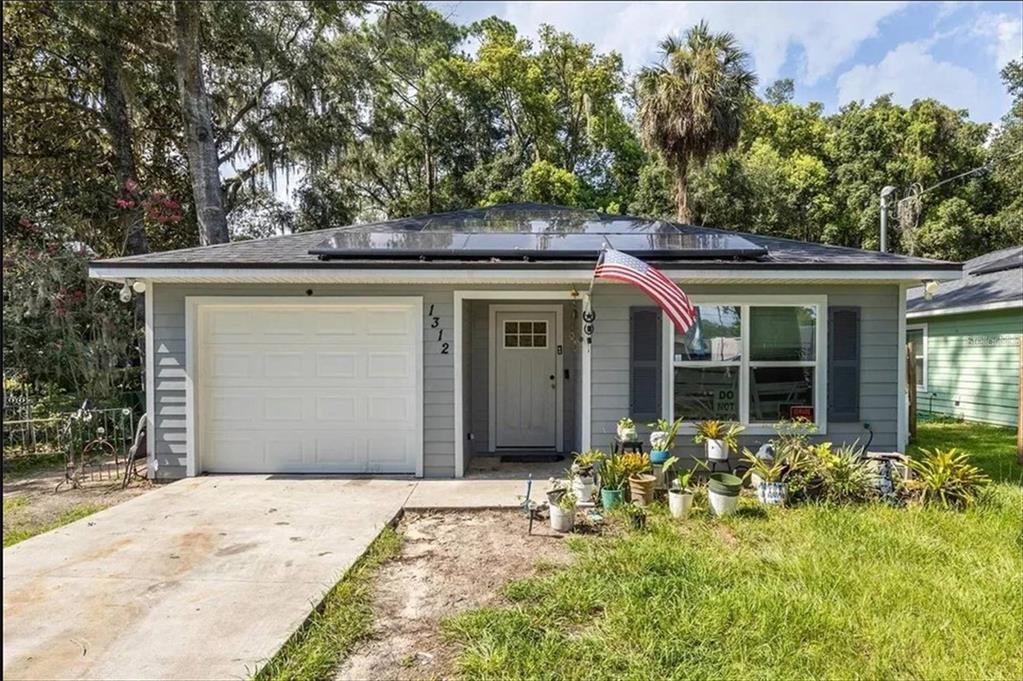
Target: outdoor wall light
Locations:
point(930, 288)
point(139, 287)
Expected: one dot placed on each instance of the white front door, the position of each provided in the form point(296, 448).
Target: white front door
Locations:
point(309, 386)
point(525, 379)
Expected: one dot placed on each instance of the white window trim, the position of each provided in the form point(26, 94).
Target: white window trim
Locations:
point(921, 385)
point(820, 407)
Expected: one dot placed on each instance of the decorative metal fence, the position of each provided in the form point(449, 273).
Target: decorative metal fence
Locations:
point(69, 433)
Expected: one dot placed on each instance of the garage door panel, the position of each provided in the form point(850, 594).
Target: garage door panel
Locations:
point(284, 365)
point(390, 408)
point(337, 408)
point(389, 365)
point(337, 364)
point(311, 389)
point(224, 364)
point(278, 408)
point(226, 407)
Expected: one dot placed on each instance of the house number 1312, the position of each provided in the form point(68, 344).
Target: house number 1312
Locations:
point(445, 347)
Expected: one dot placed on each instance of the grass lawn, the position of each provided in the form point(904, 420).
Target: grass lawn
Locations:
point(809, 592)
point(342, 620)
point(19, 525)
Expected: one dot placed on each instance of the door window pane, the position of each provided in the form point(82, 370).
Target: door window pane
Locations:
point(714, 336)
point(775, 391)
point(707, 393)
point(783, 334)
point(525, 334)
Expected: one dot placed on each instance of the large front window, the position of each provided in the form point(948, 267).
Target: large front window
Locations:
point(755, 362)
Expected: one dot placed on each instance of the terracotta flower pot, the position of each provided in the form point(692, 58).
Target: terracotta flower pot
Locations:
point(641, 488)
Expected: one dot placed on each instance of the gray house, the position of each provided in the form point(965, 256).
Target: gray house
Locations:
point(414, 345)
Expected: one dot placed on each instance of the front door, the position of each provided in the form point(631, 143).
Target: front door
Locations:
point(525, 379)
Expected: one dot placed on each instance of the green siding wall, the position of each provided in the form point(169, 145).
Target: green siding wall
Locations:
point(973, 366)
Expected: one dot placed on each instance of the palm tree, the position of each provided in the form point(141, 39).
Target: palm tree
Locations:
point(692, 103)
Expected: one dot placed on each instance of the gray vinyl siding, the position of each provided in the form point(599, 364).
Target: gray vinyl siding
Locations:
point(610, 363)
point(169, 423)
point(879, 307)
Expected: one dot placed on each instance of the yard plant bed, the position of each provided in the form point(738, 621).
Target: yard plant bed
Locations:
point(818, 591)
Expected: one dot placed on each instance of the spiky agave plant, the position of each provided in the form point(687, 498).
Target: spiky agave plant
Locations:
point(946, 477)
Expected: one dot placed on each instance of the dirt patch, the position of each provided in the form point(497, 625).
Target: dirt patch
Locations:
point(449, 562)
point(30, 502)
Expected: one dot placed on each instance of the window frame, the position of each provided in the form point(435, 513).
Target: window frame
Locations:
point(921, 385)
point(744, 303)
point(532, 335)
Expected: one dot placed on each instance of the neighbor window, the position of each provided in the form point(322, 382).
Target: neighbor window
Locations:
point(756, 363)
point(916, 337)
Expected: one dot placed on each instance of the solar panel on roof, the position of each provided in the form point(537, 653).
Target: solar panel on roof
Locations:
point(534, 232)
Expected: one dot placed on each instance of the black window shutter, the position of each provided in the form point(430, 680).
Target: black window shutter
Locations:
point(645, 363)
point(843, 364)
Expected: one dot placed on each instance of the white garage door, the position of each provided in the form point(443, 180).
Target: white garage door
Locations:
point(317, 386)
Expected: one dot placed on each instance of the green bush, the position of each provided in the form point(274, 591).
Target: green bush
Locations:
point(945, 477)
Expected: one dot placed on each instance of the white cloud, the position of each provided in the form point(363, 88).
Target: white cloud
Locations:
point(910, 72)
point(1003, 34)
point(826, 33)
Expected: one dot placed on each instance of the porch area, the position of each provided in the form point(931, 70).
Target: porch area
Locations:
point(519, 392)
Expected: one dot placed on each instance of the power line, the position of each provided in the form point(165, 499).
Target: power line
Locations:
point(986, 166)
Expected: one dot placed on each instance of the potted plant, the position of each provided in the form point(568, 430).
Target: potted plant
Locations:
point(767, 475)
point(723, 493)
point(637, 516)
point(720, 438)
point(680, 494)
point(641, 479)
point(563, 513)
point(612, 482)
point(627, 430)
point(662, 439)
point(583, 473)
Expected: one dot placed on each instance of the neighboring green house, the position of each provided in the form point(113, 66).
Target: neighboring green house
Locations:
point(966, 341)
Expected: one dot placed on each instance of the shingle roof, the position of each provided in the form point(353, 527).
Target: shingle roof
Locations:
point(292, 250)
point(996, 277)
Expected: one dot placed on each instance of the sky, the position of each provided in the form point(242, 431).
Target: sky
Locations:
point(836, 52)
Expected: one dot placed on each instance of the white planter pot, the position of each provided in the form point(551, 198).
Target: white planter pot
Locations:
point(627, 434)
point(562, 521)
point(582, 488)
point(722, 505)
point(772, 493)
point(679, 502)
point(717, 450)
point(755, 480)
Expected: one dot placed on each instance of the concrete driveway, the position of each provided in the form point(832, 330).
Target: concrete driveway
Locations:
point(204, 578)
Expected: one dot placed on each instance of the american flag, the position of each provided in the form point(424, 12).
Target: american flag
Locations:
point(663, 291)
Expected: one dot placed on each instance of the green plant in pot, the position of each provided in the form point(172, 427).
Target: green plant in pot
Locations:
point(768, 473)
point(626, 430)
point(613, 478)
point(563, 513)
point(583, 472)
point(662, 439)
point(719, 438)
point(680, 494)
point(636, 515)
point(641, 479)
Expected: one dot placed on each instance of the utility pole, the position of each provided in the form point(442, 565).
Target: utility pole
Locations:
point(885, 193)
